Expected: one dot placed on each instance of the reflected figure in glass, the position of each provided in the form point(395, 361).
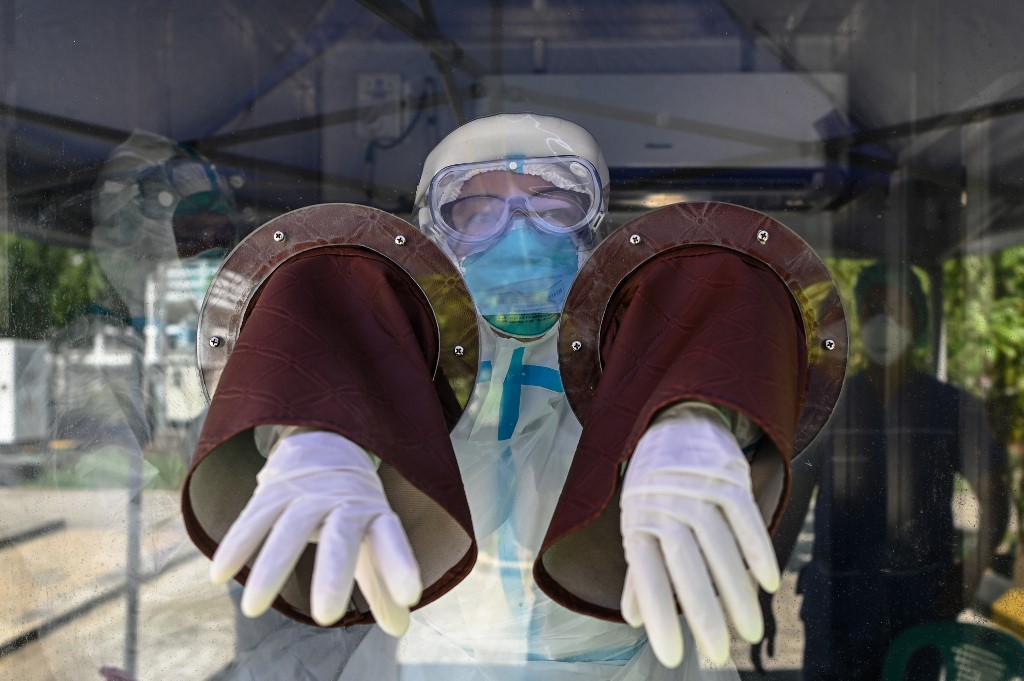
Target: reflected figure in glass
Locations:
point(887, 554)
point(126, 403)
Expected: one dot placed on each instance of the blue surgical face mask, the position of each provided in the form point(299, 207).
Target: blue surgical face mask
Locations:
point(520, 283)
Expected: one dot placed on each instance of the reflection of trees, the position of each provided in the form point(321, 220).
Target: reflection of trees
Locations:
point(985, 312)
point(45, 286)
point(984, 307)
point(844, 273)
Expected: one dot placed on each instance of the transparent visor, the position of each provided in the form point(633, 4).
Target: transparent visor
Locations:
point(473, 203)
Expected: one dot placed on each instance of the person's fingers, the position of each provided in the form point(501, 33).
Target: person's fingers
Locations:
point(279, 555)
point(739, 508)
point(630, 606)
point(735, 588)
point(693, 588)
point(244, 537)
point(753, 540)
point(334, 567)
point(393, 559)
point(392, 617)
point(654, 597)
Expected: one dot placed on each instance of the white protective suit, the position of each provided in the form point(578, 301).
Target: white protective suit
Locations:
point(497, 625)
point(514, 445)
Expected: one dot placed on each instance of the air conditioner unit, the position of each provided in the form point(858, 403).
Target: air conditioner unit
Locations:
point(752, 138)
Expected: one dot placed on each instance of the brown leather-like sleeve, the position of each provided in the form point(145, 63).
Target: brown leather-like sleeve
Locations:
point(341, 341)
point(698, 323)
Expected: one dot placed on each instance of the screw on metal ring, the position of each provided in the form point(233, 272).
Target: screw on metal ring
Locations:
point(459, 351)
point(635, 239)
point(829, 344)
point(214, 341)
point(762, 236)
point(576, 346)
point(279, 236)
point(400, 240)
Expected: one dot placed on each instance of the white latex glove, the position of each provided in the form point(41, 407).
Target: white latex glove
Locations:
point(689, 521)
point(321, 487)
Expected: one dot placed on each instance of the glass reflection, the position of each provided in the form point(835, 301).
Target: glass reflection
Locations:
point(111, 394)
point(887, 554)
point(340, 101)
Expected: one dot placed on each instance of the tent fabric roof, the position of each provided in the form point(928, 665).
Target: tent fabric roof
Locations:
point(272, 89)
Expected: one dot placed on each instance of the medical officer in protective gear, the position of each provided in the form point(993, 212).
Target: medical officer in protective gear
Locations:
point(510, 539)
point(155, 205)
point(158, 203)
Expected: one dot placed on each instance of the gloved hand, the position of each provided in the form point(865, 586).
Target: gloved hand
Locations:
point(321, 487)
point(689, 521)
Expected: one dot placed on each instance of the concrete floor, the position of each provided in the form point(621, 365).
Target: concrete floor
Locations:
point(789, 639)
point(67, 590)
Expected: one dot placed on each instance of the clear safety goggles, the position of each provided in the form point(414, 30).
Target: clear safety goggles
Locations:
point(563, 197)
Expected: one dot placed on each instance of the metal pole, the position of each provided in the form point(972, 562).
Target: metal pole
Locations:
point(133, 568)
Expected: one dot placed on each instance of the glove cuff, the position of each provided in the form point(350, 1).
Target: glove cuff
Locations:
point(314, 451)
point(746, 432)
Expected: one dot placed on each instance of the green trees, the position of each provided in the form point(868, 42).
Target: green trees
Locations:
point(44, 286)
point(984, 308)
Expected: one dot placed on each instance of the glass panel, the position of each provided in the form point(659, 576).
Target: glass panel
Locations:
point(141, 141)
